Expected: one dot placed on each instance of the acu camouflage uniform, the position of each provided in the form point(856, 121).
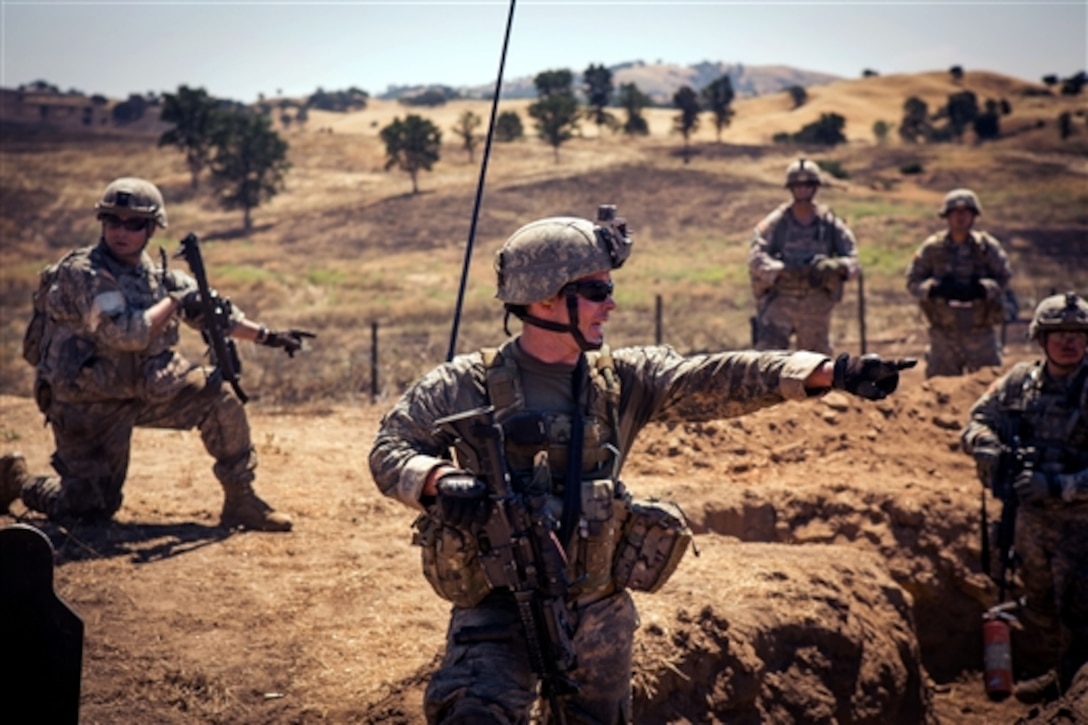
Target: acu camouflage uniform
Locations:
point(101, 373)
point(962, 337)
point(492, 680)
point(1050, 419)
point(792, 296)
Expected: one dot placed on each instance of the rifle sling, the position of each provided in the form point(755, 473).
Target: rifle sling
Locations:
point(572, 483)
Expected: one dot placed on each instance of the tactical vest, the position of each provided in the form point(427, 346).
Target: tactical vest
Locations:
point(617, 543)
point(1051, 424)
point(957, 316)
point(797, 278)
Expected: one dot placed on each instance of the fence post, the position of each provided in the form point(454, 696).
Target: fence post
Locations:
point(659, 332)
point(374, 361)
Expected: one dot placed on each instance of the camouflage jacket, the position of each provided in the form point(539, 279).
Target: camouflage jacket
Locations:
point(782, 251)
point(97, 343)
point(1046, 418)
point(656, 384)
point(980, 258)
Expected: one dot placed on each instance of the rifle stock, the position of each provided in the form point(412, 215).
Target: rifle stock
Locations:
point(216, 322)
point(519, 551)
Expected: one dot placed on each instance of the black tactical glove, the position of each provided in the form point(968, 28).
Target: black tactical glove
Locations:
point(1035, 486)
point(824, 270)
point(462, 499)
point(289, 340)
point(869, 376)
point(987, 456)
point(189, 304)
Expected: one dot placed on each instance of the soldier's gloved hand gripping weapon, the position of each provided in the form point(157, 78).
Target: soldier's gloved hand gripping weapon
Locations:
point(216, 322)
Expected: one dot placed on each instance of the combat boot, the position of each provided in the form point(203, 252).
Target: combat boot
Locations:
point(13, 474)
point(245, 508)
point(1043, 688)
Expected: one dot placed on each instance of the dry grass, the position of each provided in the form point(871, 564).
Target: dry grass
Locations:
point(347, 245)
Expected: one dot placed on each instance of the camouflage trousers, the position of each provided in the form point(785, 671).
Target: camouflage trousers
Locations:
point(93, 442)
point(491, 681)
point(1052, 544)
point(955, 351)
point(808, 317)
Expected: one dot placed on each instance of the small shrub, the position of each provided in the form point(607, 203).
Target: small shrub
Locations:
point(835, 169)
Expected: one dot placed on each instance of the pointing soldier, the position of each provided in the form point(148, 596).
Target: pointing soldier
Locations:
point(959, 277)
point(1039, 411)
point(800, 256)
point(102, 344)
point(569, 410)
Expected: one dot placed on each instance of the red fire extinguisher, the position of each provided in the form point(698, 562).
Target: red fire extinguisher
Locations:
point(997, 650)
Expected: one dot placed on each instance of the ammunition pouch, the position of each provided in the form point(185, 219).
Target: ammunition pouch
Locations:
point(451, 561)
point(655, 537)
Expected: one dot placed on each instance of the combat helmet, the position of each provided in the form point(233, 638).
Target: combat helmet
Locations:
point(803, 171)
point(1059, 312)
point(543, 256)
point(960, 199)
point(133, 197)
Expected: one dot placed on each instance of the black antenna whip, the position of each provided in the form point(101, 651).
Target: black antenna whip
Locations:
point(480, 188)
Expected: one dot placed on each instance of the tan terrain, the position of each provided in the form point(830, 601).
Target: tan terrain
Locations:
point(860, 521)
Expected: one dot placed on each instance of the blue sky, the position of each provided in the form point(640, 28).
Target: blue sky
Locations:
point(241, 49)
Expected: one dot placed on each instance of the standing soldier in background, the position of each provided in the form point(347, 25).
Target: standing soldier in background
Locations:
point(102, 338)
point(568, 410)
point(959, 277)
point(1037, 415)
point(800, 257)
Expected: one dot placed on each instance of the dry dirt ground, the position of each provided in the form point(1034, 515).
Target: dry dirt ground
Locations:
point(188, 622)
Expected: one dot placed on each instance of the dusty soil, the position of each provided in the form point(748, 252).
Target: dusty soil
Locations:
point(186, 621)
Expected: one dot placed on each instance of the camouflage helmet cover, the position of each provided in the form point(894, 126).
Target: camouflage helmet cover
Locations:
point(960, 199)
point(133, 197)
point(541, 257)
point(803, 171)
point(1059, 312)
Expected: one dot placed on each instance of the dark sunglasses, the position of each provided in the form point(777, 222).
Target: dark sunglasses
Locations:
point(131, 225)
point(593, 290)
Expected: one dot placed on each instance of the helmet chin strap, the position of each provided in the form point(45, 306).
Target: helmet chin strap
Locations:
point(572, 327)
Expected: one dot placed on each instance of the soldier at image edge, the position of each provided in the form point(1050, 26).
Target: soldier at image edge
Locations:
point(800, 257)
point(102, 343)
point(959, 277)
point(1030, 430)
point(568, 410)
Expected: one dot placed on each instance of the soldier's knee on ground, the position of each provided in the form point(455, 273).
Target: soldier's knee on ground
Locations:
point(244, 508)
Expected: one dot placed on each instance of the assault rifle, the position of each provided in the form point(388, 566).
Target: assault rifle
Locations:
point(519, 551)
point(1014, 460)
point(216, 322)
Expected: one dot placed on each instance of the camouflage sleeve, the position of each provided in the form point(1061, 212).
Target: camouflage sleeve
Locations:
point(763, 268)
point(985, 420)
point(920, 272)
point(93, 301)
point(658, 384)
point(846, 247)
point(409, 444)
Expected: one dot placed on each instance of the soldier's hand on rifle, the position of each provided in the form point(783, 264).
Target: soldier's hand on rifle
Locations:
point(462, 499)
point(987, 456)
point(1035, 486)
point(290, 340)
point(868, 376)
point(188, 302)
